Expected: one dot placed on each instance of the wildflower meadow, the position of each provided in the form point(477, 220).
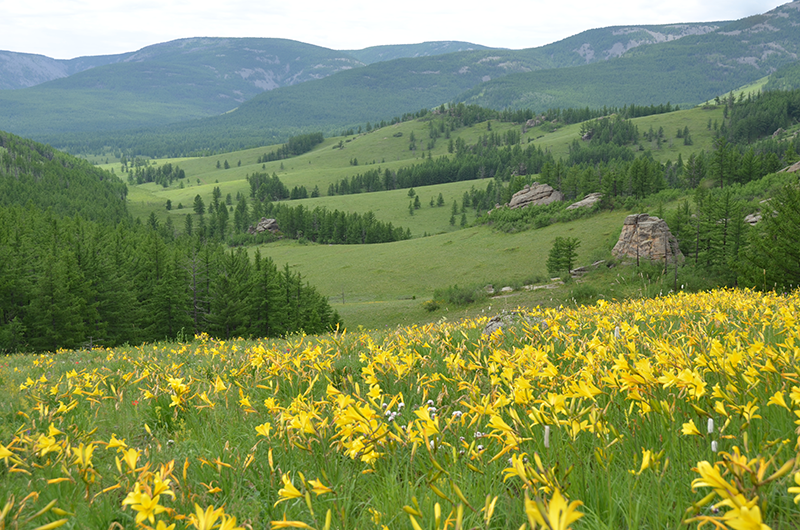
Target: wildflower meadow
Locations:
point(678, 411)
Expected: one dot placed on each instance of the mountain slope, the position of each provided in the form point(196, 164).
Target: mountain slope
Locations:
point(22, 70)
point(166, 83)
point(685, 71)
point(195, 78)
point(377, 54)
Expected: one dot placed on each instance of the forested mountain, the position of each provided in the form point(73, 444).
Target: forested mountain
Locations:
point(22, 70)
point(389, 52)
point(684, 71)
point(32, 174)
point(195, 78)
point(166, 83)
point(192, 78)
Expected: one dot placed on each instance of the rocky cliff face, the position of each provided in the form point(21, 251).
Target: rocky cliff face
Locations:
point(647, 238)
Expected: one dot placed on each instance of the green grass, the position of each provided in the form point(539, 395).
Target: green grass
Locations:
point(386, 284)
point(377, 281)
point(327, 164)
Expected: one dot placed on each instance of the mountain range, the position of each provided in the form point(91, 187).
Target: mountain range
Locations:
point(223, 93)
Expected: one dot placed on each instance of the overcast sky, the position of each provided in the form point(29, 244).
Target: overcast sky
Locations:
point(64, 29)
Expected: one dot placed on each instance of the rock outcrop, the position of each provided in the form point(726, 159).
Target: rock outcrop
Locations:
point(794, 168)
point(647, 238)
point(587, 202)
point(264, 225)
point(536, 195)
point(753, 218)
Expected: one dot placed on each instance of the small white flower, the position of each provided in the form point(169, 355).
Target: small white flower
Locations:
point(401, 405)
point(479, 448)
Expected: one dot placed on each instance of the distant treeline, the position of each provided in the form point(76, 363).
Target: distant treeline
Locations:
point(141, 171)
point(486, 159)
point(198, 138)
point(321, 225)
point(296, 145)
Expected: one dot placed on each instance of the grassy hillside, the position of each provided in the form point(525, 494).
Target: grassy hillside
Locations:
point(376, 285)
point(377, 281)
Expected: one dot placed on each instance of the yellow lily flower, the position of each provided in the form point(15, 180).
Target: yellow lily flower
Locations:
point(558, 515)
point(794, 489)
point(318, 487)
point(264, 429)
point(689, 428)
point(205, 520)
point(288, 491)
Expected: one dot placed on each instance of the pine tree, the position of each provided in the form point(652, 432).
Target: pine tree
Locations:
point(773, 254)
point(562, 255)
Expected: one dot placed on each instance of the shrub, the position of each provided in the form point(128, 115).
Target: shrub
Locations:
point(430, 305)
point(459, 295)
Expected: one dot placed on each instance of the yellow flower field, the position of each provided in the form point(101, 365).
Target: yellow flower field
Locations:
point(639, 414)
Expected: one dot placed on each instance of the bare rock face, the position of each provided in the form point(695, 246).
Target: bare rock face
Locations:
point(587, 202)
point(648, 238)
point(264, 225)
point(536, 195)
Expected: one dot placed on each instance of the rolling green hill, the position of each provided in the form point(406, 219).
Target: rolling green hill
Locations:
point(379, 283)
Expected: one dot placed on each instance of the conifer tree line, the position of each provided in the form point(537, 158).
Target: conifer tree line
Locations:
point(76, 271)
point(66, 282)
point(296, 145)
point(141, 171)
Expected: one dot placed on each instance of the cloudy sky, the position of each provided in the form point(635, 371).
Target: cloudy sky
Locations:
point(64, 29)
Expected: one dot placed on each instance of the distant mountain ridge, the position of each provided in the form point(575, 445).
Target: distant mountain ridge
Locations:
point(257, 91)
point(688, 70)
point(376, 54)
point(23, 70)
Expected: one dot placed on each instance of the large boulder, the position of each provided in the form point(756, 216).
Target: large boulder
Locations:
point(646, 237)
point(587, 202)
point(264, 225)
point(536, 195)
